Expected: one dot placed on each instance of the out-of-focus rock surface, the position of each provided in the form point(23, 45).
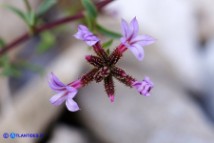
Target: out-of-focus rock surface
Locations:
point(173, 23)
point(4, 96)
point(68, 135)
point(208, 68)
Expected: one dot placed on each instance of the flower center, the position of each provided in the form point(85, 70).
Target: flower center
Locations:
point(102, 73)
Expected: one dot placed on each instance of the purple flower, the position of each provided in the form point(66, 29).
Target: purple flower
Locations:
point(144, 87)
point(63, 93)
point(85, 35)
point(132, 40)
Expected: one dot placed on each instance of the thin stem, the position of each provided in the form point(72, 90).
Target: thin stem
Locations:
point(27, 4)
point(49, 26)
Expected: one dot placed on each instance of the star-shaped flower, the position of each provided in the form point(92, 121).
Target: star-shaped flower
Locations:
point(132, 40)
point(63, 93)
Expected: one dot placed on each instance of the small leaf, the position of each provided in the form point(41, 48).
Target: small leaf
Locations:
point(31, 18)
point(2, 43)
point(90, 13)
point(107, 44)
point(90, 22)
point(107, 32)
point(47, 41)
point(45, 6)
point(3, 60)
point(108, 51)
point(11, 70)
point(90, 8)
point(8, 69)
point(18, 12)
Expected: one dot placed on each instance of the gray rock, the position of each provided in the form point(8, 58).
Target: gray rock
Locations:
point(65, 134)
point(173, 24)
point(208, 76)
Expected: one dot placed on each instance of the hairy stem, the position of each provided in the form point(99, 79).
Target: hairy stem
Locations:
point(49, 26)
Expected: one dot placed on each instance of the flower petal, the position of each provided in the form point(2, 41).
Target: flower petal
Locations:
point(55, 83)
point(82, 28)
point(71, 105)
point(58, 99)
point(85, 35)
point(134, 27)
point(144, 87)
point(143, 40)
point(125, 28)
point(138, 51)
point(71, 91)
point(91, 42)
point(123, 40)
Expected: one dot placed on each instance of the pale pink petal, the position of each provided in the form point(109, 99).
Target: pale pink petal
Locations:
point(125, 28)
point(82, 28)
point(144, 87)
point(143, 40)
point(71, 105)
point(71, 91)
point(55, 83)
point(138, 51)
point(134, 27)
point(85, 35)
point(145, 90)
point(78, 35)
point(58, 99)
point(91, 42)
point(56, 80)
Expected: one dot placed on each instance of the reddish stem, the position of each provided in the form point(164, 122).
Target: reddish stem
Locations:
point(49, 26)
point(122, 48)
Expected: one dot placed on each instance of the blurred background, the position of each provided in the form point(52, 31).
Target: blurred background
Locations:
point(180, 63)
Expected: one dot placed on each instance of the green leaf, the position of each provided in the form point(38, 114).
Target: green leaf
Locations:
point(3, 60)
point(108, 51)
point(107, 32)
point(107, 44)
point(11, 70)
point(90, 22)
point(90, 8)
point(90, 13)
point(2, 43)
point(18, 12)
point(45, 6)
point(31, 18)
point(8, 69)
point(47, 41)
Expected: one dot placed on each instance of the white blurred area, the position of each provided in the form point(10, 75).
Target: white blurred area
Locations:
point(180, 63)
point(177, 27)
